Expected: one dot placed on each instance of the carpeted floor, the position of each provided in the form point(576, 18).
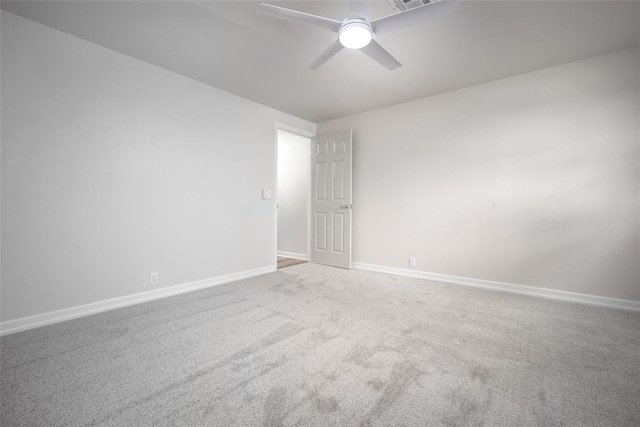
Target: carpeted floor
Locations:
point(313, 345)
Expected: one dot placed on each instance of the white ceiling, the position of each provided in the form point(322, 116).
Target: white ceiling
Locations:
point(227, 44)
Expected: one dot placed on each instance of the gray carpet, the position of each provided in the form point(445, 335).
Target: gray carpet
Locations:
point(313, 345)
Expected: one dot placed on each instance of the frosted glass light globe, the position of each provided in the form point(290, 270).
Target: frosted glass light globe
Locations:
point(355, 35)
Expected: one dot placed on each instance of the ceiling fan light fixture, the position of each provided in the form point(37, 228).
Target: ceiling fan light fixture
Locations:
point(355, 35)
point(356, 31)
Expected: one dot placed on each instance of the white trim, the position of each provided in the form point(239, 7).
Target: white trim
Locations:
point(292, 255)
point(287, 128)
point(279, 126)
point(309, 198)
point(507, 287)
point(17, 325)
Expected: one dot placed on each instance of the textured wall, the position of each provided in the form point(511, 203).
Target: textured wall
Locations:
point(531, 180)
point(113, 168)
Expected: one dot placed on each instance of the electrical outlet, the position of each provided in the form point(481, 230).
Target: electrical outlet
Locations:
point(412, 262)
point(153, 279)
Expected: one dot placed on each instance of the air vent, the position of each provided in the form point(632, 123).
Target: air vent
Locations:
point(402, 5)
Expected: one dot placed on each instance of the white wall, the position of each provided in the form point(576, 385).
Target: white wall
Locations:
point(293, 192)
point(531, 180)
point(113, 168)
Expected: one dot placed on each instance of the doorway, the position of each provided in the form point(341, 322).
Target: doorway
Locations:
point(292, 197)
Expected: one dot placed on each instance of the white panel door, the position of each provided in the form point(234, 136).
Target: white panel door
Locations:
point(331, 199)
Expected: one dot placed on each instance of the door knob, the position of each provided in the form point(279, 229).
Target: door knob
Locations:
point(345, 206)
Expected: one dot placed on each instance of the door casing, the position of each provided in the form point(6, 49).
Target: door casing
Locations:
point(291, 129)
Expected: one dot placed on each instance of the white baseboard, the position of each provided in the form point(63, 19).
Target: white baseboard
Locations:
point(22, 324)
point(292, 255)
point(507, 287)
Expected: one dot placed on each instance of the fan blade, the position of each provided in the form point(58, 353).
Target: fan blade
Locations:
point(414, 16)
point(326, 55)
point(359, 9)
point(299, 17)
point(376, 52)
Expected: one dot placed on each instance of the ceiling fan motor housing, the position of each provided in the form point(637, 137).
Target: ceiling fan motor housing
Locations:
point(355, 33)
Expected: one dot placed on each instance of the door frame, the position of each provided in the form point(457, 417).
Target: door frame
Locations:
point(307, 134)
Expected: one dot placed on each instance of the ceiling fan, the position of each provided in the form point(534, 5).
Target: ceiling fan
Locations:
point(357, 31)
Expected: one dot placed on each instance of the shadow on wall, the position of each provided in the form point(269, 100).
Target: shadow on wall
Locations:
point(562, 219)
